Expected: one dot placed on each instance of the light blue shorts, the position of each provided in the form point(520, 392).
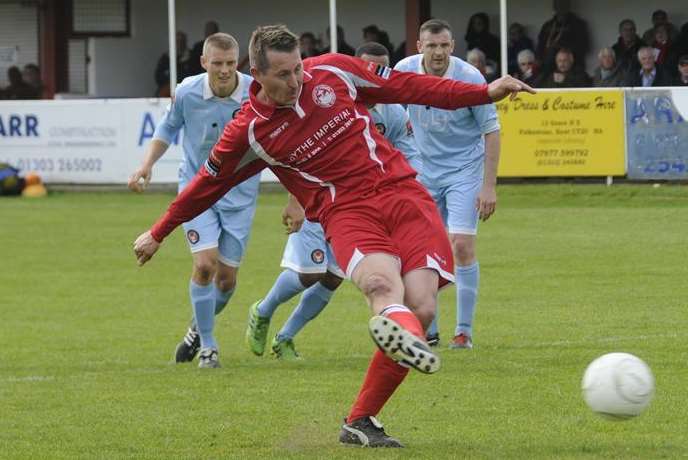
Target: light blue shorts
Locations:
point(225, 229)
point(308, 252)
point(456, 201)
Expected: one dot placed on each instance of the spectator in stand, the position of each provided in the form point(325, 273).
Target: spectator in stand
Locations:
point(564, 30)
point(665, 56)
point(608, 73)
point(18, 88)
point(210, 28)
point(682, 78)
point(309, 45)
point(342, 46)
point(660, 17)
point(32, 76)
point(476, 58)
point(682, 42)
point(518, 41)
point(649, 75)
point(627, 46)
point(372, 33)
point(528, 70)
point(565, 75)
point(478, 36)
point(162, 70)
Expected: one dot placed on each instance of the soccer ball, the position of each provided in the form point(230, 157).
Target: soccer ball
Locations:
point(618, 386)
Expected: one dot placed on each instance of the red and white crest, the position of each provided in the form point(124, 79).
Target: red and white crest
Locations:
point(324, 96)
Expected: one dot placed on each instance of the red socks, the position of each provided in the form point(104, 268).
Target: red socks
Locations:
point(384, 375)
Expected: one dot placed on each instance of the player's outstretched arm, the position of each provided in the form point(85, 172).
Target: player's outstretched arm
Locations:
point(140, 179)
point(507, 86)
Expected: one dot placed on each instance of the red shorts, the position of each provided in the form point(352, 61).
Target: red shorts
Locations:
point(401, 220)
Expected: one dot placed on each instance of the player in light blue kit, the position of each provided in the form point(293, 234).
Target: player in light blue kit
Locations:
point(203, 105)
point(460, 151)
point(309, 264)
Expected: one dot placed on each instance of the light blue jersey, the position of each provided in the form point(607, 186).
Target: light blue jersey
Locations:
point(449, 140)
point(203, 117)
point(306, 250)
point(392, 121)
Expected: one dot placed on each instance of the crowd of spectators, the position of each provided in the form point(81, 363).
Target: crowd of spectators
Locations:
point(555, 60)
point(659, 58)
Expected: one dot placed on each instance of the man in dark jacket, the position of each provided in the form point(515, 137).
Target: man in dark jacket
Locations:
point(627, 46)
point(564, 30)
point(608, 73)
point(649, 75)
point(565, 75)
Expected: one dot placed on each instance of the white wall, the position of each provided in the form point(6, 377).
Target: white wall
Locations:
point(125, 66)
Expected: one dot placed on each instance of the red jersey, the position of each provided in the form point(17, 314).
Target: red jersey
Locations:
point(325, 149)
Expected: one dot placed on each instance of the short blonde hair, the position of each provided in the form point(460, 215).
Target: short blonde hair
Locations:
point(220, 40)
point(274, 37)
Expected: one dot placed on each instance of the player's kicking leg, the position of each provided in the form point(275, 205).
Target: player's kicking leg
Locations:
point(399, 334)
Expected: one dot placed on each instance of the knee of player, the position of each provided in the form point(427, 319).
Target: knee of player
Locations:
point(377, 285)
point(225, 283)
point(204, 270)
point(463, 248)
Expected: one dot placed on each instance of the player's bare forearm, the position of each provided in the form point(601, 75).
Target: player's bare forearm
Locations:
point(492, 150)
point(156, 149)
point(487, 199)
point(139, 180)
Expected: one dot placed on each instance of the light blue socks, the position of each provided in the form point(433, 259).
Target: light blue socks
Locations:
point(467, 279)
point(203, 302)
point(313, 301)
point(286, 286)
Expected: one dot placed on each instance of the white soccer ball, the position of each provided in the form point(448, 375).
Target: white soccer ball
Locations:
point(618, 386)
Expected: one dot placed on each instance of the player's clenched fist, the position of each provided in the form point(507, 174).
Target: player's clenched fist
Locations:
point(144, 247)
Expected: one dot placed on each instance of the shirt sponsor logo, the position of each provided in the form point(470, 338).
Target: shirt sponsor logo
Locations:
point(324, 96)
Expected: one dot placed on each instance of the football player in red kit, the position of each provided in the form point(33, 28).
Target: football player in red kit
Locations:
point(307, 121)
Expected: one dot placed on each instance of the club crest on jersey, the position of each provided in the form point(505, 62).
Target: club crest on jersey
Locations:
point(381, 128)
point(318, 256)
point(324, 96)
point(409, 129)
point(192, 236)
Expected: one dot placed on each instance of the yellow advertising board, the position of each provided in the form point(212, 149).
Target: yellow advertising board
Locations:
point(563, 133)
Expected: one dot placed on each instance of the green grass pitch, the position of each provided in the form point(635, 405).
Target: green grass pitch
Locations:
point(568, 273)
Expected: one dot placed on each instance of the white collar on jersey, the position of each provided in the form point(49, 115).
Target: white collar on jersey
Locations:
point(236, 95)
point(447, 73)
